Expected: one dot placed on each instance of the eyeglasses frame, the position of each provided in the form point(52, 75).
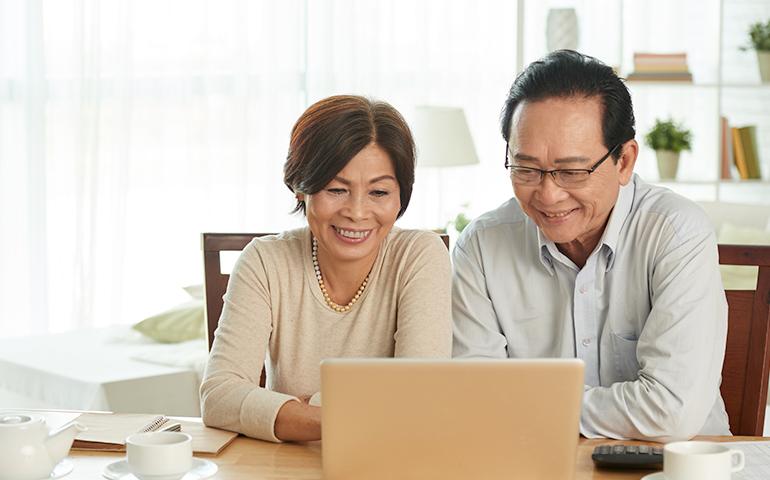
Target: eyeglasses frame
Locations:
point(553, 172)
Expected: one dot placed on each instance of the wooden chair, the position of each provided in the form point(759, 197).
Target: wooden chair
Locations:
point(747, 355)
point(215, 282)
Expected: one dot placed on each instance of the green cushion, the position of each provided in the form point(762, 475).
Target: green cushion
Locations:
point(181, 323)
point(737, 277)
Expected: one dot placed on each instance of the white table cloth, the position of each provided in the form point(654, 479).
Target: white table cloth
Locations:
point(101, 369)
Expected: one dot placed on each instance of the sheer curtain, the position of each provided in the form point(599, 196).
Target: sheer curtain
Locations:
point(430, 52)
point(127, 128)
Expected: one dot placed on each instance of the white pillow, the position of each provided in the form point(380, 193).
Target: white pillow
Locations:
point(195, 291)
point(179, 324)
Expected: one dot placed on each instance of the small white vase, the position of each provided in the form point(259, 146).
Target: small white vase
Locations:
point(763, 59)
point(668, 163)
point(561, 30)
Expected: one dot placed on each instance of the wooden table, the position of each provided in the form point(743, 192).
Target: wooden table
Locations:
point(252, 459)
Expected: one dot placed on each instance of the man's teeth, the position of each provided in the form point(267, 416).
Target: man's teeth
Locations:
point(353, 234)
point(560, 214)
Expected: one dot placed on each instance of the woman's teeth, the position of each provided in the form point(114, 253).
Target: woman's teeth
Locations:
point(352, 233)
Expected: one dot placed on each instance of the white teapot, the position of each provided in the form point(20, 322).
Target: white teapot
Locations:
point(27, 450)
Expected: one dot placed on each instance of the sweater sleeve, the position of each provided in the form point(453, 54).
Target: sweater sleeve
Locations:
point(231, 397)
point(424, 306)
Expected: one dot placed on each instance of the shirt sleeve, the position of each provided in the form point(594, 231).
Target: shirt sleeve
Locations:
point(679, 351)
point(424, 327)
point(476, 327)
point(231, 397)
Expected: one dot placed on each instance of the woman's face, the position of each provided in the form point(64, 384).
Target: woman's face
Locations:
point(354, 213)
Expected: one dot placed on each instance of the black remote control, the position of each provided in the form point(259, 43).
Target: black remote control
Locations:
point(628, 456)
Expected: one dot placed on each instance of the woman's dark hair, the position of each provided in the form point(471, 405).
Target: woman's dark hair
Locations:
point(566, 73)
point(333, 130)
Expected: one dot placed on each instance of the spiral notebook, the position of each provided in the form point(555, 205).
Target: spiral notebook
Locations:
point(108, 431)
point(112, 429)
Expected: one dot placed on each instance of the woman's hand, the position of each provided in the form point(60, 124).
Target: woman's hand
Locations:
point(298, 421)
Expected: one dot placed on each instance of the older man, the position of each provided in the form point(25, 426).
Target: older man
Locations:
point(589, 261)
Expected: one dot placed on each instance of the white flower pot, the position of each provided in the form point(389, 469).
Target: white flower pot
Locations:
point(668, 162)
point(763, 59)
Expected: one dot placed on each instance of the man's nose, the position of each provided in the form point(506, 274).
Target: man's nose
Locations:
point(548, 191)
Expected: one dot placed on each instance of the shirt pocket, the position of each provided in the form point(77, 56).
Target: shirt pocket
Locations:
point(624, 355)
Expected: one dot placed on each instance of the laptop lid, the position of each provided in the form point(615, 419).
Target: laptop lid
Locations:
point(450, 419)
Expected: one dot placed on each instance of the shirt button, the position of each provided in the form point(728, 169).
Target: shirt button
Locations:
point(583, 289)
point(586, 342)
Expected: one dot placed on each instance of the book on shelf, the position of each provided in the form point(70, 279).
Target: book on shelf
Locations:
point(659, 77)
point(738, 155)
point(660, 67)
point(750, 150)
point(726, 153)
point(660, 62)
point(660, 57)
point(745, 152)
point(108, 431)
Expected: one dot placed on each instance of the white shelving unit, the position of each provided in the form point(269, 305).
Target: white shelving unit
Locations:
point(725, 79)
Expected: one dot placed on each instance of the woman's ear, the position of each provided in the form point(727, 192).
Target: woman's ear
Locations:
point(300, 197)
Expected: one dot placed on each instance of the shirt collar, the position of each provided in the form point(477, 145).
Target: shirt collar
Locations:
point(617, 219)
point(611, 232)
point(545, 256)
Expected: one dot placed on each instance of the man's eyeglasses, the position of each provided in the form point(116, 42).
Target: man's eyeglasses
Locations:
point(565, 178)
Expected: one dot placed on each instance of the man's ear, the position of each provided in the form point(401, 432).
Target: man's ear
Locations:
point(627, 160)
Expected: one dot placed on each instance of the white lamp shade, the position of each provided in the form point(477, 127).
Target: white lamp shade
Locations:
point(442, 137)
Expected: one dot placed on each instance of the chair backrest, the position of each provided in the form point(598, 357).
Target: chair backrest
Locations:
point(215, 282)
point(747, 355)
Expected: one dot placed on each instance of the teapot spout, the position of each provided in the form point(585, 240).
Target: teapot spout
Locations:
point(59, 442)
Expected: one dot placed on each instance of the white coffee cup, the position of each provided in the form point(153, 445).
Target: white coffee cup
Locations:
point(701, 460)
point(159, 455)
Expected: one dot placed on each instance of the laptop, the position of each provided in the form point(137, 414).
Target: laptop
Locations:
point(450, 419)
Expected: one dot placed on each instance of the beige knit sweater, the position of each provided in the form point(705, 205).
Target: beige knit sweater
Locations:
point(274, 305)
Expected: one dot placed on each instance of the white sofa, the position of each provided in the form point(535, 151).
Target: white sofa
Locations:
point(737, 214)
point(739, 224)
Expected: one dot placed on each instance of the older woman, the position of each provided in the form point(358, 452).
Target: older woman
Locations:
point(347, 285)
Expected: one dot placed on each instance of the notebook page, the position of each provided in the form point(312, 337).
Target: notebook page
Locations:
point(105, 431)
point(757, 460)
point(113, 428)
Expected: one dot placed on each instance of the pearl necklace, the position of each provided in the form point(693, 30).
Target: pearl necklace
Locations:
point(337, 308)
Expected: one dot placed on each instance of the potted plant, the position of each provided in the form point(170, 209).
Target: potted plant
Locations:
point(461, 221)
point(456, 226)
point(760, 41)
point(668, 139)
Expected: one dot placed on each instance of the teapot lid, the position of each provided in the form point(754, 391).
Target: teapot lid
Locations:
point(8, 419)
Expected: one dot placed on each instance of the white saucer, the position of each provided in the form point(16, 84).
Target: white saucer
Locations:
point(201, 468)
point(61, 469)
point(654, 476)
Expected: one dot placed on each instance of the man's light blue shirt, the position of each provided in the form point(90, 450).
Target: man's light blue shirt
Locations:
point(647, 313)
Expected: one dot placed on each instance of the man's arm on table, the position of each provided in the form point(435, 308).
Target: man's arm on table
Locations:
point(680, 350)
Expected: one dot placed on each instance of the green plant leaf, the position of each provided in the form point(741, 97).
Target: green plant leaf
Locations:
point(668, 135)
point(759, 33)
point(461, 221)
